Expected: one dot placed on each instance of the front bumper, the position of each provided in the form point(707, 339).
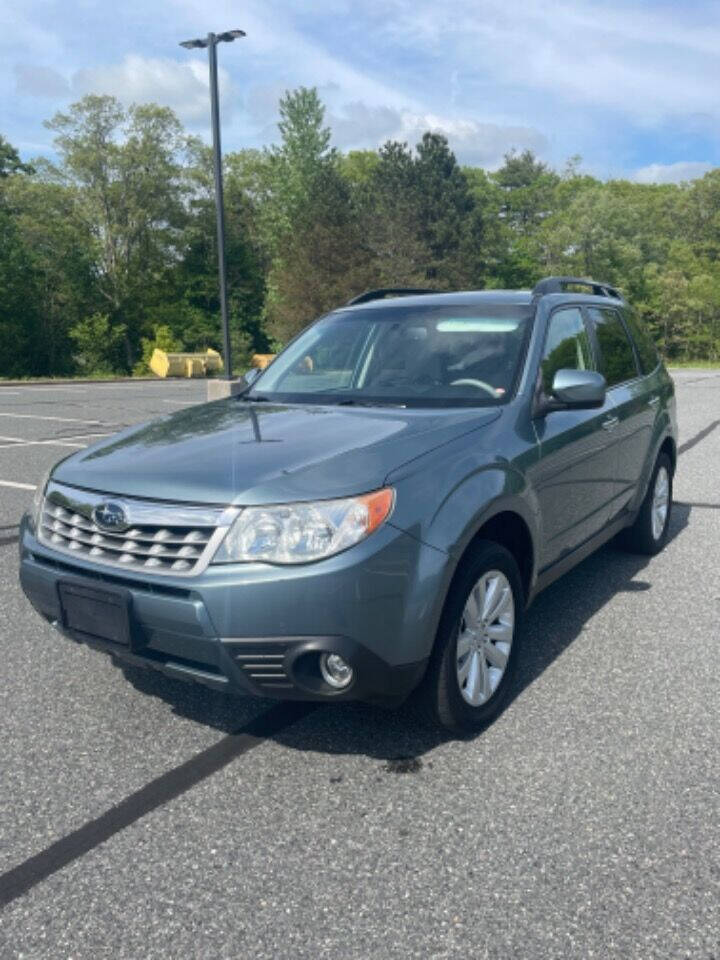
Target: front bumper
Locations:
point(260, 630)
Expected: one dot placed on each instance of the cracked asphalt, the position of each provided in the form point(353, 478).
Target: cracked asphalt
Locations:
point(142, 817)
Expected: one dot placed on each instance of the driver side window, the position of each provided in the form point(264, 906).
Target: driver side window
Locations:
point(567, 346)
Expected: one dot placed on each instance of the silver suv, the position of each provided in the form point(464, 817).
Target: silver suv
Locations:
point(373, 514)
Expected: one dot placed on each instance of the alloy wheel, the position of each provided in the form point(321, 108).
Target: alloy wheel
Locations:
point(485, 637)
point(660, 502)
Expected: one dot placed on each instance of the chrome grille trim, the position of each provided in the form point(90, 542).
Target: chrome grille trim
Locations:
point(161, 538)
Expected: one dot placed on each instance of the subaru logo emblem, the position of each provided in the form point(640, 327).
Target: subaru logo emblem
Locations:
point(111, 517)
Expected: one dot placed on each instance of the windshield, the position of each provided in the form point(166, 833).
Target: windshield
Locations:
point(419, 356)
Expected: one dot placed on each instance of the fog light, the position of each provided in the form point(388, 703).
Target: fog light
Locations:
point(335, 670)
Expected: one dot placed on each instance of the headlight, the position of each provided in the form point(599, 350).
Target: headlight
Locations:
point(38, 498)
point(300, 532)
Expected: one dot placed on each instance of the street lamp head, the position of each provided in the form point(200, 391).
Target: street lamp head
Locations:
point(231, 35)
point(228, 36)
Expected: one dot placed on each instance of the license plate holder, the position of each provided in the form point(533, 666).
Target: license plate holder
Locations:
point(96, 612)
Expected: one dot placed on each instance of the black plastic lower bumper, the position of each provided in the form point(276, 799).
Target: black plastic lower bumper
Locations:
point(171, 636)
point(285, 668)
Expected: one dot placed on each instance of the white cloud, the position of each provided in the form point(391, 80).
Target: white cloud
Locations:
point(474, 142)
point(25, 30)
point(609, 80)
point(358, 125)
point(672, 172)
point(276, 47)
point(361, 126)
point(183, 86)
point(646, 64)
point(33, 80)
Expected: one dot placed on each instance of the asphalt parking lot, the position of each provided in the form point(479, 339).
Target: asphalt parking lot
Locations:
point(142, 817)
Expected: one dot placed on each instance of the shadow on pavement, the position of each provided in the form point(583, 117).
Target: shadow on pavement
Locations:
point(553, 622)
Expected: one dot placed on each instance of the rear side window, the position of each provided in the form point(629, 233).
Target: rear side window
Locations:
point(617, 358)
point(567, 346)
point(646, 351)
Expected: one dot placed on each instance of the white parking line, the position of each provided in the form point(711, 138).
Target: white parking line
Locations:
point(182, 403)
point(18, 442)
point(17, 486)
point(10, 442)
point(37, 416)
point(50, 388)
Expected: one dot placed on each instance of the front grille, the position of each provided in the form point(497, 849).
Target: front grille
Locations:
point(166, 548)
point(158, 538)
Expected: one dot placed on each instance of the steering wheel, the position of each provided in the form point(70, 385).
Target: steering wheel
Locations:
point(470, 382)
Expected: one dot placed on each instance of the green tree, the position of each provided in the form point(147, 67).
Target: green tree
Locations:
point(293, 166)
point(19, 315)
point(357, 166)
point(390, 220)
point(112, 249)
point(195, 297)
point(528, 189)
point(323, 263)
point(294, 217)
point(10, 161)
point(445, 205)
point(58, 258)
point(19, 318)
point(130, 184)
point(98, 344)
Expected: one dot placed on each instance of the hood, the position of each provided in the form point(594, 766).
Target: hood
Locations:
point(233, 452)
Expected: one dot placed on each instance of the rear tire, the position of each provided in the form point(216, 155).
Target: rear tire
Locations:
point(477, 645)
point(648, 535)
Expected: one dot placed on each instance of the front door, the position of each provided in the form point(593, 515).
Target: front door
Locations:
point(575, 476)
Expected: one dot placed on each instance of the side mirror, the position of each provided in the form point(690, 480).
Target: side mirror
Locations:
point(251, 375)
point(579, 389)
point(573, 390)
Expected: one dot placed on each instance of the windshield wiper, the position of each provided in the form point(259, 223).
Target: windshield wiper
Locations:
point(369, 403)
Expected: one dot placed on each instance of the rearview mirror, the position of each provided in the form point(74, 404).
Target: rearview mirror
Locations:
point(578, 389)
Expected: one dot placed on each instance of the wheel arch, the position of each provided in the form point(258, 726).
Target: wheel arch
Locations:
point(510, 529)
point(669, 447)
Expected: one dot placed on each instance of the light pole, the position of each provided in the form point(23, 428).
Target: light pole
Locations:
point(211, 42)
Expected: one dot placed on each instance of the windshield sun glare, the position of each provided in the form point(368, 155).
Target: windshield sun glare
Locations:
point(415, 356)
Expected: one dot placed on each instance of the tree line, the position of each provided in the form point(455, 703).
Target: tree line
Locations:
point(109, 250)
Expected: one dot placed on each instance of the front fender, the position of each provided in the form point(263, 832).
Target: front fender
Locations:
point(446, 505)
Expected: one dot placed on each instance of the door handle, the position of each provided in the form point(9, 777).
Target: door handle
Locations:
point(653, 401)
point(610, 423)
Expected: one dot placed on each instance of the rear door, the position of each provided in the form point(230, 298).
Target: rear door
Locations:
point(634, 405)
point(575, 476)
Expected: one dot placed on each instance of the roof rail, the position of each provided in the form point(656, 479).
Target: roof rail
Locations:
point(558, 284)
point(384, 292)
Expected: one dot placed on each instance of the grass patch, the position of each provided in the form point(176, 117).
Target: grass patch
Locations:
point(693, 364)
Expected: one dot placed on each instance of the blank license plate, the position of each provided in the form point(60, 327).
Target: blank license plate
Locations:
point(100, 613)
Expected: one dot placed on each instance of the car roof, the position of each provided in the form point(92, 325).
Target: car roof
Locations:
point(480, 298)
point(451, 299)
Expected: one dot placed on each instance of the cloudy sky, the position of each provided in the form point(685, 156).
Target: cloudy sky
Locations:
point(630, 86)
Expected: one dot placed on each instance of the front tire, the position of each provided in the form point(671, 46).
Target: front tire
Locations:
point(477, 644)
point(648, 535)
